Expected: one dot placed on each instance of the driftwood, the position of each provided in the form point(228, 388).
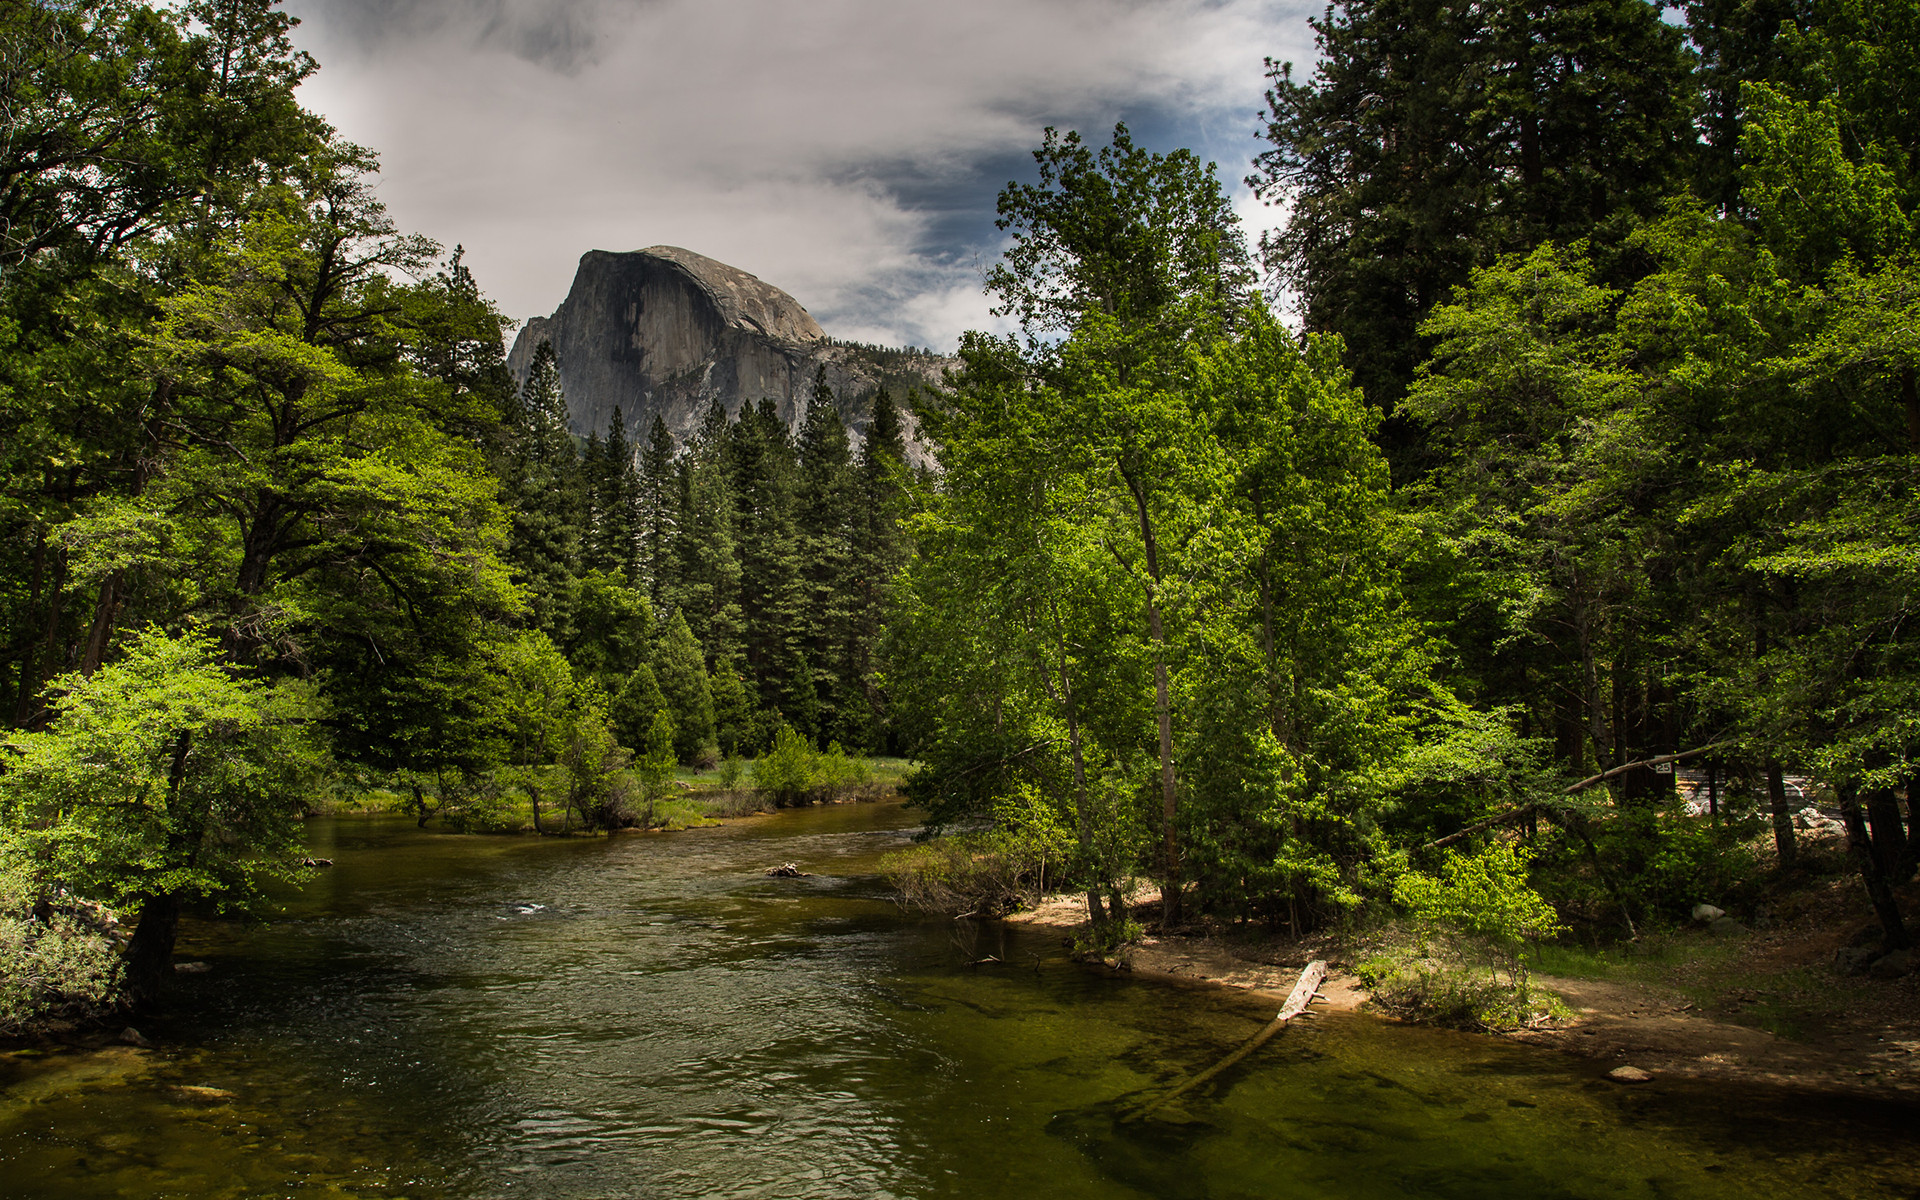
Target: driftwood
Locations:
point(788, 871)
point(1297, 1001)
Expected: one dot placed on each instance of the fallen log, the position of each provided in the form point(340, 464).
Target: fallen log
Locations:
point(1297, 1000)
point(1514, 814)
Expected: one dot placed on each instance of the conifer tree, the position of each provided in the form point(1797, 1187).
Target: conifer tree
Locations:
point(658, 509)
point(824, 521)
point(879, 549)
point(634, 707)
point(1433, 138)
point(772, 592)
point(616, 541)
point(541, 490)
point(705, 567)
point(680, 670)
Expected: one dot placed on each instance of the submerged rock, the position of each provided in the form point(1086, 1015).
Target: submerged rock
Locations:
point(1630, 1075)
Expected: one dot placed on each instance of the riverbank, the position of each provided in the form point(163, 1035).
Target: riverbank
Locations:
point(1761, 1006)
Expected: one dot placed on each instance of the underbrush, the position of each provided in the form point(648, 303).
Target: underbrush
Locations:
point(967, 874)
point(59, 957)
point(1449, 983)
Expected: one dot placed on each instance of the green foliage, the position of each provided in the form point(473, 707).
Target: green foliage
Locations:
point(167, 773)
point(1435, 986)
point(682, 677)
point(58, 959)
point(991, 872)
point(653, 766)
point(634, 708)
point(1483, 898)
point(790, 769)
point(836, 774)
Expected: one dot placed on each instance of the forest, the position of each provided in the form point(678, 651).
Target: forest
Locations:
point(1563, 437)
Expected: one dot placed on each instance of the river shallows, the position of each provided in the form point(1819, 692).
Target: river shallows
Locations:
point(447, 1016)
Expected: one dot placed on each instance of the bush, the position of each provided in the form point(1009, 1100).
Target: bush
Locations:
point(837, 776)
point(58, 960)
point(1483, 900)
point(1437, 986)
point(788, 771)
point(990, 872)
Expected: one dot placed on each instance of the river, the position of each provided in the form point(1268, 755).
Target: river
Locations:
point(443, 1016)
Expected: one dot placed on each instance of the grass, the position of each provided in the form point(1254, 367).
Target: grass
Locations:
point(1717, 975)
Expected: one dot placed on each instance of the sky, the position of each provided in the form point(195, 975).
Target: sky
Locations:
point(846, 151)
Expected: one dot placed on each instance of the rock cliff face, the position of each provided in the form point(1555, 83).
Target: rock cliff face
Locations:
point(664, 331)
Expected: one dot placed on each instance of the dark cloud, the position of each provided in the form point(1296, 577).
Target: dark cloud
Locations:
point(848, 151)
point(560, 35)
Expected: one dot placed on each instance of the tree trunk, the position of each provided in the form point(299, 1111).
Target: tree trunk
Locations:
point(150, 951)
point(1885, 834)
point(1163, 713)
point(1783, 842)
point(106, 608)
point(1879, 890)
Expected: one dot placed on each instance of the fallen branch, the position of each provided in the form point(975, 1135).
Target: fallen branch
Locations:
point(1297, 1001)
point(1623, 768)
point(1514, 814)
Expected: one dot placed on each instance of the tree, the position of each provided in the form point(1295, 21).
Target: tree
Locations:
point(541, 485)
point(879, 551)
point(1433, 138)
point(680, 670)
point(165, 777)
point(773, 597)
point(658, 510)
point(824, 524)
point(705, 559)
point(634, 707)
point(1132, 255)
point(615, 543)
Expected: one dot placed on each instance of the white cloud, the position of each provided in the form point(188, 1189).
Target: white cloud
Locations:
point(843, 150)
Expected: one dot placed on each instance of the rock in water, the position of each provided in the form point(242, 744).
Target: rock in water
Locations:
point(1629, 1075)
point(664, 331)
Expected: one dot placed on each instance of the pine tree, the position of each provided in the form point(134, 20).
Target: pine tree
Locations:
point(680, 670)
point(616, 541)
point(658, 509)
point(591, 469)
point(705, 567)
point(824, 521)
point(879, 551)
point(1434, 137)
point(540, 481)
point(634, 707)
point(772, 592)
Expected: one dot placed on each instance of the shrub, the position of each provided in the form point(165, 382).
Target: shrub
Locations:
point(1436, 986)
point(58, 960)
point(788, 771)
point(837, 775)
point(1483, 900)
point(988, 872)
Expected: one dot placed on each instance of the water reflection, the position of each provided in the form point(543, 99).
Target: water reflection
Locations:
point(443, 1016)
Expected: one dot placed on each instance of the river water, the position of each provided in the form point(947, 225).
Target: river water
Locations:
point(652, 1016)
